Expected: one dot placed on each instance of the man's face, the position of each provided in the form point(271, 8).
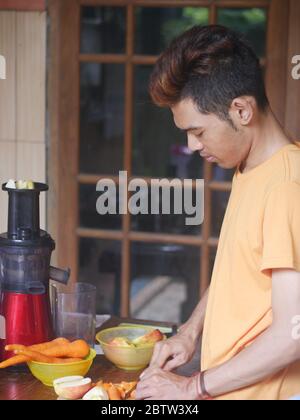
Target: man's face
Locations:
point(215, 140)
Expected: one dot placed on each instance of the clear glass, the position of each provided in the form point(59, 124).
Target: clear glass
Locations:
point(251, 22)
point(172, 223)
point(88, 215)
point(164, 281)
point(74, 312)
point(103, 30)
point(222, 175)
point(159, 148)
point(212, 256)
point(101, 118)
point(218, 208)
point(100, 264)
point(152, 39)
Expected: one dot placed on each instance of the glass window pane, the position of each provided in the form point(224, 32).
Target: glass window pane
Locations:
point(212, 255)
point(159, 148)
point(220, 174)
point(88, 215)
point(101, 118)
point(251, 22)
point(103, 30)
point(164, 281)
point(167, 223)
point(218, 208)
point(169, 23)
point(100, 265)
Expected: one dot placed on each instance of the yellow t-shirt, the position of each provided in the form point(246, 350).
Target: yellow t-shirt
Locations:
point(260, 232)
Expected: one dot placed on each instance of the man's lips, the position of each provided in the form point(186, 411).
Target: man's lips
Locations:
point(208, 157)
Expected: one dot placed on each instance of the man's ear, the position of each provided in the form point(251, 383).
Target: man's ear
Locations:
point(242, 110)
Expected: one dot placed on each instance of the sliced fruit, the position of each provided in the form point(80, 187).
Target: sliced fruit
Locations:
point(121, 341)
point(151, 337)
point(96, 393)
point(72, 387)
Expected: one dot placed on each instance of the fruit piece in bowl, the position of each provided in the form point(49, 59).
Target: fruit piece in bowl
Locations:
point(121, 342)
point(150, 337)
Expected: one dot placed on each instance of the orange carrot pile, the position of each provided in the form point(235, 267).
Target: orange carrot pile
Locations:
point(118, 391)
point(59, 350)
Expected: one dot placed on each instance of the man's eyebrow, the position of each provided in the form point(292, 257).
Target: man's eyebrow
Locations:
point(185, 130)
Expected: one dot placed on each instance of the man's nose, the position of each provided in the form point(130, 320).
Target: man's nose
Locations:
point(194, 144)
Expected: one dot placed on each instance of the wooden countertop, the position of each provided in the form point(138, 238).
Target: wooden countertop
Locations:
point(21, 385)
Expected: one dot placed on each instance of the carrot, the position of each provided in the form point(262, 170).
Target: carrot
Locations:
point(39, 357)
point(121, 391)
point(19, 359)
point(78, 348)
point(38, 347)
point(106, 386)
point(114, 393)
point(12, 361)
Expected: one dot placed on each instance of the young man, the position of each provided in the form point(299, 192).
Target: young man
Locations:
point(211, 80)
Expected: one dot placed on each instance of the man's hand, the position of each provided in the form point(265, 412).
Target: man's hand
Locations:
point(174, 352)
point(156, 384)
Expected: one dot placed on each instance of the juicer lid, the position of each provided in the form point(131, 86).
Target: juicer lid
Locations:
point(43, 241)
point(23, 225)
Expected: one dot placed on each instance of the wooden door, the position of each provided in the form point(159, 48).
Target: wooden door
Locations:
point(102, 121)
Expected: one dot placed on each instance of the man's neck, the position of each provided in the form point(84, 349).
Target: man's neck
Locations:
point(268, 138)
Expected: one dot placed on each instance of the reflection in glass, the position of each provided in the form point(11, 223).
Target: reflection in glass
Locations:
point(88, 215)
point(159, 147)
point(251, 22)
point(169, 23)
point(101, 118)
point(222, 175)
point(103, 30)
point(100, 265)
point(212, 256)
point(218, 208)
point(164, 281)
point(170, 224)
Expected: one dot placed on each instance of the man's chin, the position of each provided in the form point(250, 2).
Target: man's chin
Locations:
point(226, 165)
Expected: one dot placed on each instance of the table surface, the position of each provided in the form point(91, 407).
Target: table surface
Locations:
point(21, 385)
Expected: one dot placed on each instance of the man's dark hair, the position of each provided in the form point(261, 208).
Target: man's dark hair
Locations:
point(212, 65)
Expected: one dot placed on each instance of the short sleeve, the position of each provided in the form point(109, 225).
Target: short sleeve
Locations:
point(281, 228)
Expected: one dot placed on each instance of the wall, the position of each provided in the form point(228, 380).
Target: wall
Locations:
point(22, 101)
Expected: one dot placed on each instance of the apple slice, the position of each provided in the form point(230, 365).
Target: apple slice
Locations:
point(120, 342)
point(72, 387)
point(149, 338)
point(96, 393)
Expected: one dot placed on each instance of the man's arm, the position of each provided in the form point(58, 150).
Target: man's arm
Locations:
point(195, 323)
point(178, 350)
point(273, 351)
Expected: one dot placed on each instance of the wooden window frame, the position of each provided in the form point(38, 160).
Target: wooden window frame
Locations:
point(23, 5)
point(63, 97)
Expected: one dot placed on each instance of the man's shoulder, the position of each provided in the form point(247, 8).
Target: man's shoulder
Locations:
point(292, 163)
point(287, 170)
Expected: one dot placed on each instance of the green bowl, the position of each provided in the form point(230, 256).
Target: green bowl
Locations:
point(126, 358)
point(48, 372)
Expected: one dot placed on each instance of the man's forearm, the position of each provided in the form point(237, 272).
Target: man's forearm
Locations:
point(195, 323)
point(269, 354)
